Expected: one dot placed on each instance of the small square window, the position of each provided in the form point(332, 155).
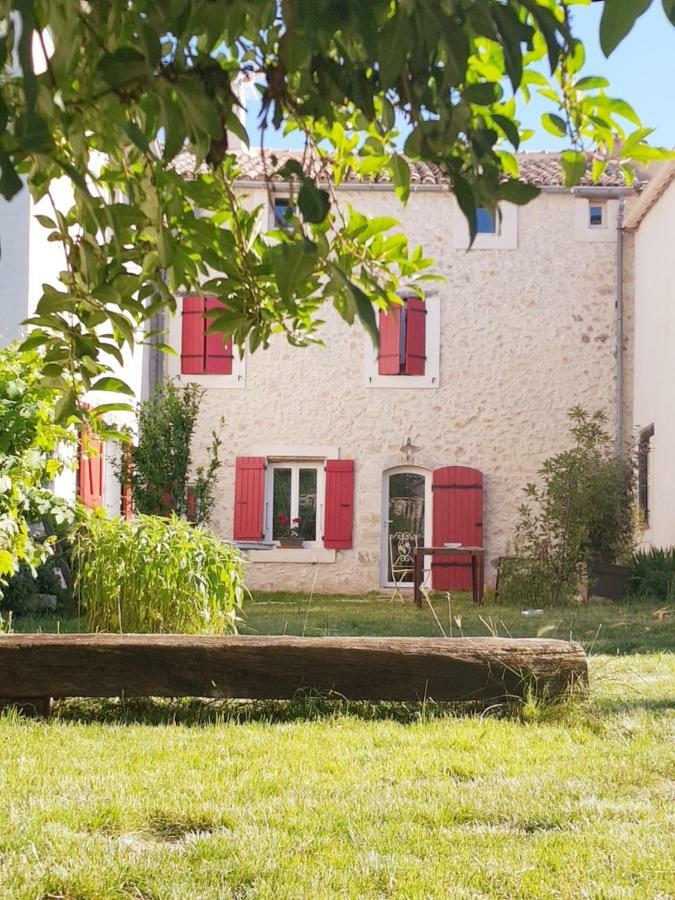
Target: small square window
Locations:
point(596, 215)
point(281, 213)
point(486, 221)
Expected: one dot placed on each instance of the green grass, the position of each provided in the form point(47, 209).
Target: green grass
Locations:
point(317, 799)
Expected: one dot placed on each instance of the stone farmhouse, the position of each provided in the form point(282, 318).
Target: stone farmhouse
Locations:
point(557, 303)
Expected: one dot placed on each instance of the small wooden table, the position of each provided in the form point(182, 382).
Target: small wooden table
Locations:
point(477, 555)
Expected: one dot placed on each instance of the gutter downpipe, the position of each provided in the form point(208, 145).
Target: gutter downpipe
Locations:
point(618, 435)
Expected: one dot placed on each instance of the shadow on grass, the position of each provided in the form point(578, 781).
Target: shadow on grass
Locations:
point(305, 707)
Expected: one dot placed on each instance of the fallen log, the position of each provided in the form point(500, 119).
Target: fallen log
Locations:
point(378, 668)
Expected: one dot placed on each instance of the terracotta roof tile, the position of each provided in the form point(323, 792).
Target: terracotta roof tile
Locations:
point(541, 169)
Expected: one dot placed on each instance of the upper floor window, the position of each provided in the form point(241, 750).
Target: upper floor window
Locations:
point(644, 490)
point(486, 221)
point(597, 217)
point(403, 339)
point(282, 209)
point(202, 353)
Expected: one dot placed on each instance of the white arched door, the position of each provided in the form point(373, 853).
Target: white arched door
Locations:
point(406, 507)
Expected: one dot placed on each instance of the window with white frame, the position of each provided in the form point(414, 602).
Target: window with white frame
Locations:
point(486, 221)
point(294, 500)
point(597, 215)
point(281, 212)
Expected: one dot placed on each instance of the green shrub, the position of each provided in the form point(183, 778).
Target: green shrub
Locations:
point(161, 474)
point(155, 574)
point(29, 442)
point(580, 510)
point(653, 574)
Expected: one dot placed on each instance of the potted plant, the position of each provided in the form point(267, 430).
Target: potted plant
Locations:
point(288, 531)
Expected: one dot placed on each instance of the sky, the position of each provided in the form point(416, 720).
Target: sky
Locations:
point(641, 71)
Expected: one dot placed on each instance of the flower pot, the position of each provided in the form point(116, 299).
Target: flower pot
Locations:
point(291, 542)
point(606, 580)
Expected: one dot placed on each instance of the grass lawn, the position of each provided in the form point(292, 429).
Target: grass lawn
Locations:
point(312, 799)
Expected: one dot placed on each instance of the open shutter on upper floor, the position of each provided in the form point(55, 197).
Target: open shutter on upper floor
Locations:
point(457, 499)
point(192, 351)
point(218, 353)
point(249, 499)
point(90, 470)
point(389, 359)
point(339, 506)
point(415, 336)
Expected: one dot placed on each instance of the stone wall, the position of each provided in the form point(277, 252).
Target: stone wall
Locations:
point(525, 334)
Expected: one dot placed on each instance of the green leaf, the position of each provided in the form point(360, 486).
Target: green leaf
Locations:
point(517, 192)
point(509, 128)
point(400, 172)
point(366, 313)
point(554, 124)
point(669, 10)
point(618, 17)
point(67, 406)
point(10, 183)
point(590, 82)
point(110, 383)
point(122, 66)
point(483, 94)
point(314, 202)
point(574, 166)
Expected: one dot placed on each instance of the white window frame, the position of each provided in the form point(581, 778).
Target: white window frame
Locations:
point(584, 231)
point(272, 222)
point(430, 379)
point(602, 206)
point(504, 238)
point(236, 380)
point(295, 465)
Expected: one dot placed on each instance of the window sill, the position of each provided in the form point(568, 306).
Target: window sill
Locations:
point(288, 555)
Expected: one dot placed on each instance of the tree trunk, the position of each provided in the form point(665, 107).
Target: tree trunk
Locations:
point(413, 669)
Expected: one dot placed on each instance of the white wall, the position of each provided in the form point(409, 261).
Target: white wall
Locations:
point(14, 265)
point(654, 385)
point(526, 333)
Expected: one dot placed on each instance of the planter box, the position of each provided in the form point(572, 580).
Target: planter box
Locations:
point(291, 542)
point(607, 580)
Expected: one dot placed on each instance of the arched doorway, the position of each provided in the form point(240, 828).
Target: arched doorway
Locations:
point(406, 507)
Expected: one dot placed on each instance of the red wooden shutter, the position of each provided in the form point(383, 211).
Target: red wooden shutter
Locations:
point(191, 503)
point(457, 496)
point(192, 341)
point(249, 498)
point(218, 353)
point(339, 515)
point(90, 470)
point(126, 500)
point(415, 336)
point(389, 360)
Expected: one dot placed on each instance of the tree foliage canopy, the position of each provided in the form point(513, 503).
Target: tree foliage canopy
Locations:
point(106, 94)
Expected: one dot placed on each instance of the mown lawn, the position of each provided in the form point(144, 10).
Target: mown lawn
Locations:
point(313, 799)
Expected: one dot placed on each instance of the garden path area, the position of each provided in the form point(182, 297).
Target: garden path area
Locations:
point(317, 799)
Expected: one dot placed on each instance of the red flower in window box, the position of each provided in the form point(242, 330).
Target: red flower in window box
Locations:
point(289, 531)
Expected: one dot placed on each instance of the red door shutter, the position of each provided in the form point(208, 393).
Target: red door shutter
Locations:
point(339, 515)
point(457, 497)
point(415, 336)
point(389, 360)
point(218, 353)
point(249, 498)
point(90, 470)
point(192, 337)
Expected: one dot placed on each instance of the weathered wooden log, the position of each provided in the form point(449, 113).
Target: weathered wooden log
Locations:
point(378, 668)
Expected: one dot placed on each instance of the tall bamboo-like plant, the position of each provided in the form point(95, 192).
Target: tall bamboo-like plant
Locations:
point(159, 467)
point(155, 574)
